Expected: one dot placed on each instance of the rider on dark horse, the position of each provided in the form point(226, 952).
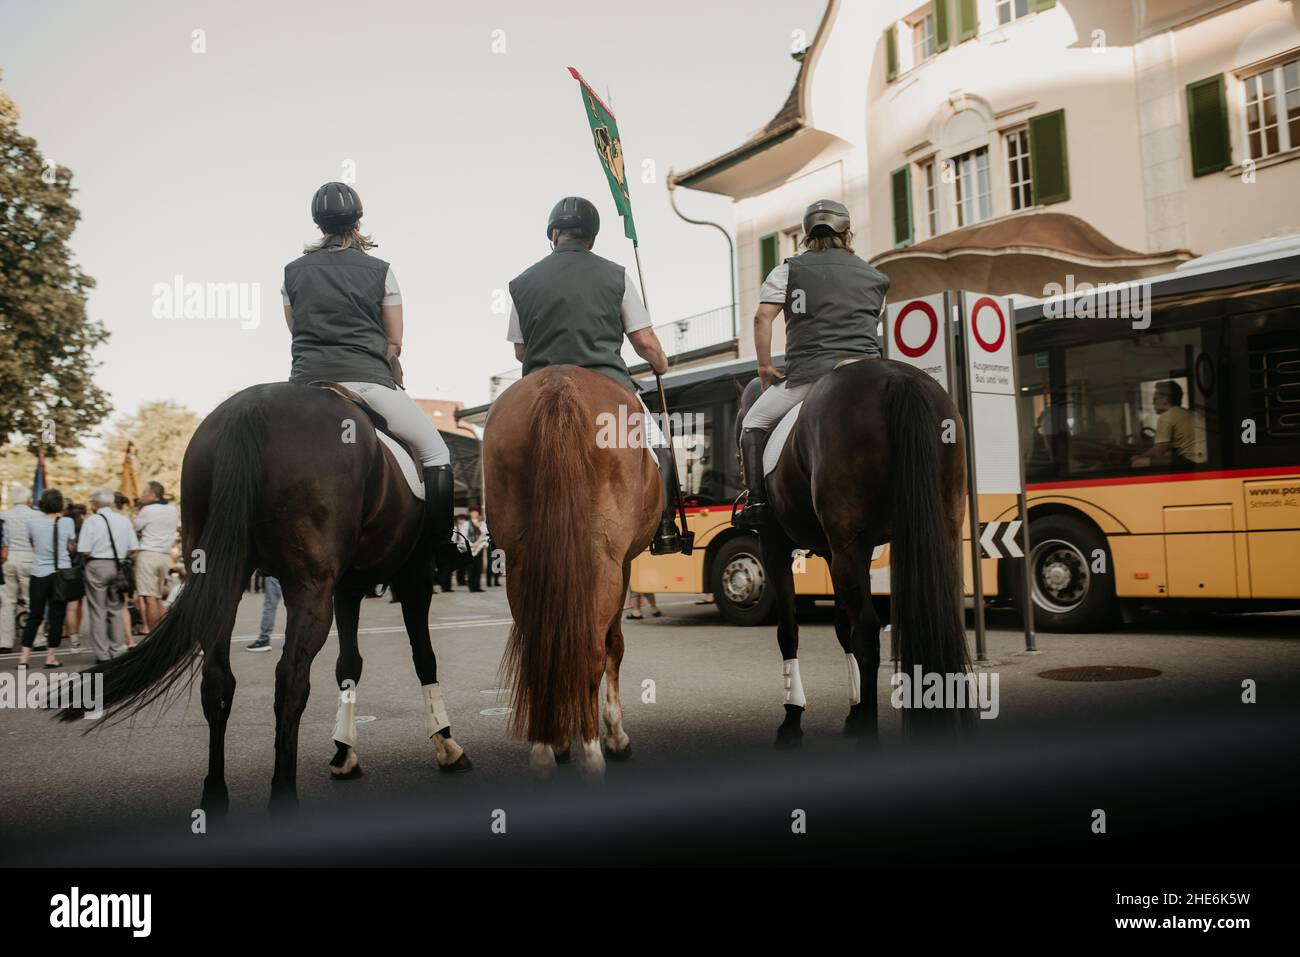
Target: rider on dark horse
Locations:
point(832, 301)
point(573, 308)
point(344, 311)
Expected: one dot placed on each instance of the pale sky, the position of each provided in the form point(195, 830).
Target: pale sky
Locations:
point(203, 165)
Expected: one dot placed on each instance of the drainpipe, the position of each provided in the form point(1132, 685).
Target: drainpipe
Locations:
point(731, 254)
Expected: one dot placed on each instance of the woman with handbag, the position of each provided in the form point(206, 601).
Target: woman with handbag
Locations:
point(54, 580)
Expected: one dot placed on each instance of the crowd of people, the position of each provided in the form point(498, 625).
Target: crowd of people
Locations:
point(68, 566)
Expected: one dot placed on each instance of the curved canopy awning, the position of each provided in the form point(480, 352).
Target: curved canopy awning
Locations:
point(1023, 254)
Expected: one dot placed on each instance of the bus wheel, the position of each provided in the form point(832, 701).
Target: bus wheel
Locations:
point(1073, 581)
point(740, 585)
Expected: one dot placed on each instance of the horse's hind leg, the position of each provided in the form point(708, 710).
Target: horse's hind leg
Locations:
point(618, 746)
point(310, 610)
point(218, 693)
point(345, 764)
point(415, 591)
point(856, 615)
point(777, 557)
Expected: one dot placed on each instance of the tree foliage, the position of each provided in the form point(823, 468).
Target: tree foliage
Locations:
point(47, 392)
point(160, 432)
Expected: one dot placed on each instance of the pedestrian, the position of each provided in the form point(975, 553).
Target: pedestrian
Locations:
point(51, 538)
point(156, 524)
point(17, 566)
point(635, 602)
point(72, 619)
point(271, 595)
point(476, 534)
point(107, 539)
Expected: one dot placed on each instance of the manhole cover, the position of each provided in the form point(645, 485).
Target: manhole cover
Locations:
point(364, 718)
point(492, 712)
point(1099, 673)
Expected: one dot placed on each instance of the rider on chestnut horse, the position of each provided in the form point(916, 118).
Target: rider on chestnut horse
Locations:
point(573, 308)
point(832, 301)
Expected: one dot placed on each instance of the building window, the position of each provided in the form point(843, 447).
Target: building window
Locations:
point(1018, 169)
point(1009, 10)
point(923, 42)
point(1273, 109)
point(974, 197)
point(931, 200)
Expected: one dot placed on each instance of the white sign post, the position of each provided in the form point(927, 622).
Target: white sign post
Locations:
point(991, 408)
point(917, 335)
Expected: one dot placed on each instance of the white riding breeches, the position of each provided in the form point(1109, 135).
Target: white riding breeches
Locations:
point(654, 435)
point(771, 407)
point(406, 420)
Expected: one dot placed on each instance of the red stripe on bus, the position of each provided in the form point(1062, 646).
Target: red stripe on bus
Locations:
point(1167, 477)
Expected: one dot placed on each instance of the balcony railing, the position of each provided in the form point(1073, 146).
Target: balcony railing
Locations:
point(678, 338)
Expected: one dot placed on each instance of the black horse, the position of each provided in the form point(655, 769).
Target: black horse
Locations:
point(876, 456)
point(292, 480)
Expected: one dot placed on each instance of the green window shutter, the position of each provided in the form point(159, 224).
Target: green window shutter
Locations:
point(1207, 123)
point(901, 182)
point(891, 53)
point(940, 9)
point(1036, 5)
point(1049, 158)
point(768, 251)
point(968, 20)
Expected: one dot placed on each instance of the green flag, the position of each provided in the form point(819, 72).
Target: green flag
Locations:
point(604, 130)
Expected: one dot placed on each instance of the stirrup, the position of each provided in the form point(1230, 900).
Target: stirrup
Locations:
point(753, 516)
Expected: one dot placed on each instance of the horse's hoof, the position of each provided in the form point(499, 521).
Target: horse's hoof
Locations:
point(345, 765)
point(215, 802)
point(283, 805)
point(858, 725)
point(462, 763)
point(623, 755)
point(788, 739)
point(564, 757)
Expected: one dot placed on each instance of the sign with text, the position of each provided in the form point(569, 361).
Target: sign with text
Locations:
point(989, 348)
point(915, 334)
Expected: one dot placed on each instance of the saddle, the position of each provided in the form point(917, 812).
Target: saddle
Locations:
point(781, 431)
point(402, 454)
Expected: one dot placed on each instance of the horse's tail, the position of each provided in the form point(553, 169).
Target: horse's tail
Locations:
point(217, 575)
point(552, 649)
point(925, 563)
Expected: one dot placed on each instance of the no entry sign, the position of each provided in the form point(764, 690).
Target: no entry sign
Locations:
point(916, 334)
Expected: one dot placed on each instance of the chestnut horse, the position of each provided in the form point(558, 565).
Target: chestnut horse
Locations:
point(293, 480)
point(876, 456)
point(570, 511)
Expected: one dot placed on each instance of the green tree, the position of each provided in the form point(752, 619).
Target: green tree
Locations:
point(47, 393)
point(160, 432)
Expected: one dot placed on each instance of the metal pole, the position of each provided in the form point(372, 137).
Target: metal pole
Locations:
point(972, 485)
point(731, 254)
point(1022, 502)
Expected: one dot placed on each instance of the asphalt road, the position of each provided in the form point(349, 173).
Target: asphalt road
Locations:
point(71, 797)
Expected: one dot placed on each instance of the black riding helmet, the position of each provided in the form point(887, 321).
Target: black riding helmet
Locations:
point(336, 206)
point(574, 214)
point(826, 212)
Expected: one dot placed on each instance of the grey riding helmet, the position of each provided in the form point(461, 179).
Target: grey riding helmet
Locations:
point(574, 214)
point(336, 206)
point(826, 212)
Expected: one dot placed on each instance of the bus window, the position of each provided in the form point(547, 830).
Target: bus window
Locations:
point(1036, 416)
point(706, 458)
point(1136, 404)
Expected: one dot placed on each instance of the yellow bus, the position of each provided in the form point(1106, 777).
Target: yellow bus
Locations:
point(1111, 526)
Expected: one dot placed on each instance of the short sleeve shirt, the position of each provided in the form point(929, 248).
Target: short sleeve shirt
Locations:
point(633, 311)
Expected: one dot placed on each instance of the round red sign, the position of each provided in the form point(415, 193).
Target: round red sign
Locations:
point(982, 303)
point(921, 306)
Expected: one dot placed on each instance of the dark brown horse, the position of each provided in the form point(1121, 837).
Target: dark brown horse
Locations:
point(570, 510)
point(876, 456)
point(292, 480)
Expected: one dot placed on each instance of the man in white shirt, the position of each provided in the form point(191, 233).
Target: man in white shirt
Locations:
point(17, 562)
point(102, 533)
point(156, 524)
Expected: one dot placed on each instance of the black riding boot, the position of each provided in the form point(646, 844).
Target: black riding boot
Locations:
point(439, 509)
point(755, 513)
point(666, 541)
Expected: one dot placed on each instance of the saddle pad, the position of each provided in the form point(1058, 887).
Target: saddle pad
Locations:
point(776, 441)
point(405, 463)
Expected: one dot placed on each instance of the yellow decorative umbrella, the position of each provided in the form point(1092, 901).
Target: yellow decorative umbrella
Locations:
point(129, 486)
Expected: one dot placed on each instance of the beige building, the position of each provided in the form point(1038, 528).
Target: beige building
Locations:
point(1003, 145)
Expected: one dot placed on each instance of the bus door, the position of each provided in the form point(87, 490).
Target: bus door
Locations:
point(1266, 354)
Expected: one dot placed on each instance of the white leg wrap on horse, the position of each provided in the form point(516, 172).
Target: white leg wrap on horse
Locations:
point(793, 686)
point(855, 680)
point(435, 712)
point(345, 725)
